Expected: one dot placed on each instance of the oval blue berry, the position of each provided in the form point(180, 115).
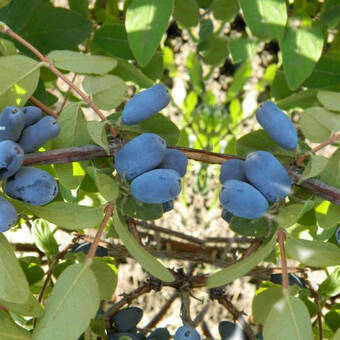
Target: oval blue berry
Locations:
point(233, 169)
point(159, 334)
point(167, 206)
point(35, 136)
point(8, 215)
point(176, 160)
point(126, 319)
point(242, 199)
point(337, 235)
point(268, 175)
point(229, 330)
point(11, 158)
point(186, 333)
point(145, 104)
point(32, 185)
point(12, 122)
point(139, 155)
point(156, 186)
point(226, 215)
point(32, 114)
point(277, 124)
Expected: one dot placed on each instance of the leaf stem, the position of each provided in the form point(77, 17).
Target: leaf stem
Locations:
point(281, 236)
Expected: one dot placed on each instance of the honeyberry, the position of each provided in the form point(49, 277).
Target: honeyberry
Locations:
point(167, 206)
point(337, 235)
point(126, 319)
point(8, 215)
point(36, 135)
point(277, 124)
point(85, 247)
point(268, 175)
point(176, 160)
point(292, 279)
point(145, 104)
point(156, 186)
point(186, 333)
point(32, 114)
point(230, 331)
point(32, 185)
point(233, 169)
point(12, 122)
point(119, 335)
point(11, 158)
point(159, 334)
point(139, 155)
point(226, 215)
point(242, 199)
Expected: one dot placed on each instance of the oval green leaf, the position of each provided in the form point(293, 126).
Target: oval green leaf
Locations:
point(9, 330)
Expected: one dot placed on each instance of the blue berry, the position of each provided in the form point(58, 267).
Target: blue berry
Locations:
point(126, 319)
point(156, 186)
point(176, 160)
point(337, 235)
point(8, 215)
point(268, 175)
point(242, 199)
point(32, 185)
point(36, 135)
point(167, 206)
point(233, 169)
point(145, 104)
point(11, 158)
point(292, 279)
point(32, 114)
point(12, 122)
point(139, 155)
point(277, 124)
point(230, 331)
point(85, 247)
point(187, 333)
point(159, 334)
point(226, 215)
point(117, 336)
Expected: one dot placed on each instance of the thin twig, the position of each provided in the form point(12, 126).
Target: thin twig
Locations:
point(42, 106)
point(281, 236)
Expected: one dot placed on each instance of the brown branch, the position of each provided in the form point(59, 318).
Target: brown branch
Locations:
point(5, 29)
point(108, 212)
point(281, 236)
point(42, 106)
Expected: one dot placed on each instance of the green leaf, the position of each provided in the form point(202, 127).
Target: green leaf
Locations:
point(69, 215)
point(288, 319)
point(337, 335)
point(242, 49)
point(301, 48)
point(265, 18)
point(195, 72)
point(186, 12)
point(302, 99)
point(158, 124)
point(32, 269)
point(106, 276)
point(137, 209)
point(4, 3)
point(280, 88)
point(146, 22)
point(317, 124)
point(106, 91)
point(291, 213)
point(19, 76)
point(13, 284)
point(62, 29)
point(73, 129)
point(82, 63)
point(241, 77)
point(264, 302)
point(70, 174)
point(154, 69)
point(241, 268)
point(315, 166)
point(214, 50)
point(225, 10)
point(97, 132)
point(331, 286)
point(327, 214)
point(30, 308)
point(73, 302)
point(260, 227)
point(9, 330)
point(112, 38)
point(313, 253)
point(7, 48)
point(43, 237)
point(80, 6)
point(331, 174)
point(145, 259)
point(329, 99)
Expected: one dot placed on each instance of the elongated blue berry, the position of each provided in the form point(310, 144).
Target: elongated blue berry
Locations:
point(268, 175)
point(159, 334)
point(277, 124)
point(230, 331)
point(233, 169)
point(226, 215)
point(8, 215)
point(145, 104)
point(242, 199)
point(176, 160)
point(12, 122)
point(127, 318)
point(156, 186)
point(11, 158)
point(337, 235)
point(139, 155)
point(186, 333)
point(35, 136)
point(32, 185)
point(32, 114)
point(167, 206)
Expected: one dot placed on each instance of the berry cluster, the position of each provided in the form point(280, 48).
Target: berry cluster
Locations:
point(154, 170)
point(24, 131)
point(250, 185)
